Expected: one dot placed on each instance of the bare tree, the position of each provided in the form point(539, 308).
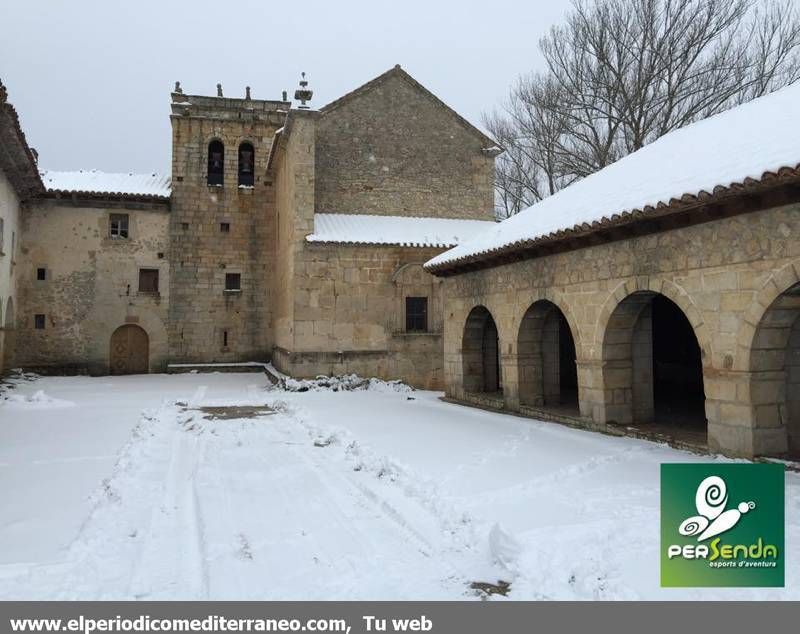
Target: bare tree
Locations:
point(621, 73)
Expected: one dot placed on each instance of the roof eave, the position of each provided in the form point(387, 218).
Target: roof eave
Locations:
point(751, 194)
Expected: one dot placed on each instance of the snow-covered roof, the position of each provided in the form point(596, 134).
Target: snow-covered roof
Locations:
point(407, 231)
point(95, 182)
point(753, 141)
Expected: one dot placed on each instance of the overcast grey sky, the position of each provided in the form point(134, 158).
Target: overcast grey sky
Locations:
point(91, 78)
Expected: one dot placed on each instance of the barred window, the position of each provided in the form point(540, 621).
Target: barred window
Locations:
point(416, 314)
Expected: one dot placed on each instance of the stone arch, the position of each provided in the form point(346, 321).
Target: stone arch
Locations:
point(129, 350)
point(215, 172)
point(774, 369)
point(546, 358)
point(652, 364)
point(777, 283)
point(480, 352)
point(669, 290)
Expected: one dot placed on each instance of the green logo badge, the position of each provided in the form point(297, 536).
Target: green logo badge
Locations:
point(722, 525)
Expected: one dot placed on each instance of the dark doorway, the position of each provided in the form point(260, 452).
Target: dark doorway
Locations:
point(653, 369)
point(678, 396)
point(491, 357)
point(480, 350)
point(548, 374)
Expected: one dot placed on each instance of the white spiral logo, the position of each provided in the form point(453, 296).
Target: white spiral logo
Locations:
point(712, 496)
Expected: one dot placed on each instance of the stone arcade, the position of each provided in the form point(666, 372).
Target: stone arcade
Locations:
point(660, 296)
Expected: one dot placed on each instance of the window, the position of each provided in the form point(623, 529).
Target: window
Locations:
point(233, 281)
point(38, 322)
point(224, 338)
point(225, 227)
point(185, 226)
point(148, 280)
point(416, 314)
point(2, 237)
point(41, 274)
point(216, 163)
point(246, 170)
point(118, 225)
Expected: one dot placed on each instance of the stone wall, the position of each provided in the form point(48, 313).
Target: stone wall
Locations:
point(91, 284)
point(730, 279)
point(349, 314)
point(394, 150)
point(202, 311)
point(10, 215)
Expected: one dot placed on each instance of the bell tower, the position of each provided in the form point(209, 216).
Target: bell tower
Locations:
point(222, 226)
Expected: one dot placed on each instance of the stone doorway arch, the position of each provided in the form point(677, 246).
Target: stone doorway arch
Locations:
point(129, 350)
point(548, 375)
point(480, 351)
point(775, 375)
point(653, 365)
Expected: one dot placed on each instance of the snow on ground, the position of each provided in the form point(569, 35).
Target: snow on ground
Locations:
point(125, 487)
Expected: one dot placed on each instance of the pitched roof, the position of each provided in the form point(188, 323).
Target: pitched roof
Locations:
point(17, 159)
point(93, 182)
point(397, 71)
point(406, 231)
point(753, 145)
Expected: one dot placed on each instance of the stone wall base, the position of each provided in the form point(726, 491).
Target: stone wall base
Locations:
point(388, 365)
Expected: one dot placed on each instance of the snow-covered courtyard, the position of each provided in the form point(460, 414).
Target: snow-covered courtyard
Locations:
point(218, 486)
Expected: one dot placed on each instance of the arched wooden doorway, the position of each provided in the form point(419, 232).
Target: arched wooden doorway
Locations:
point(130, 350)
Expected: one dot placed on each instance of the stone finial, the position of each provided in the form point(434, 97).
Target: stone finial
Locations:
point(219, 90)
point(284, 95)
point(304, 93)
point(247, 92)
point(178, 88)
point(3, 92)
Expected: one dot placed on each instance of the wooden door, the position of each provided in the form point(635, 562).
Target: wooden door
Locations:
point(130, 350)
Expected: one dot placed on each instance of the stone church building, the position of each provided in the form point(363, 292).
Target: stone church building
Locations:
point(658, 298)
point(290, 234)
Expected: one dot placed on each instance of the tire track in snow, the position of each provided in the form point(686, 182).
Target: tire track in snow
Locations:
point(173, 559)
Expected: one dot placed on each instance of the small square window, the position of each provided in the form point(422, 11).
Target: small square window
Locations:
point(185, 226)
point(416, 314)
point(233, 281)
point(148, 280)
point(38, 322)
point(41, 274)
point(225, 227)
point(118, 225)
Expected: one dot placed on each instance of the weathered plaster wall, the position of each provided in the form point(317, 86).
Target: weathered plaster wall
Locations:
point(392, 150)
point(723, 275)
point(10, 214)
point(91, 285)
